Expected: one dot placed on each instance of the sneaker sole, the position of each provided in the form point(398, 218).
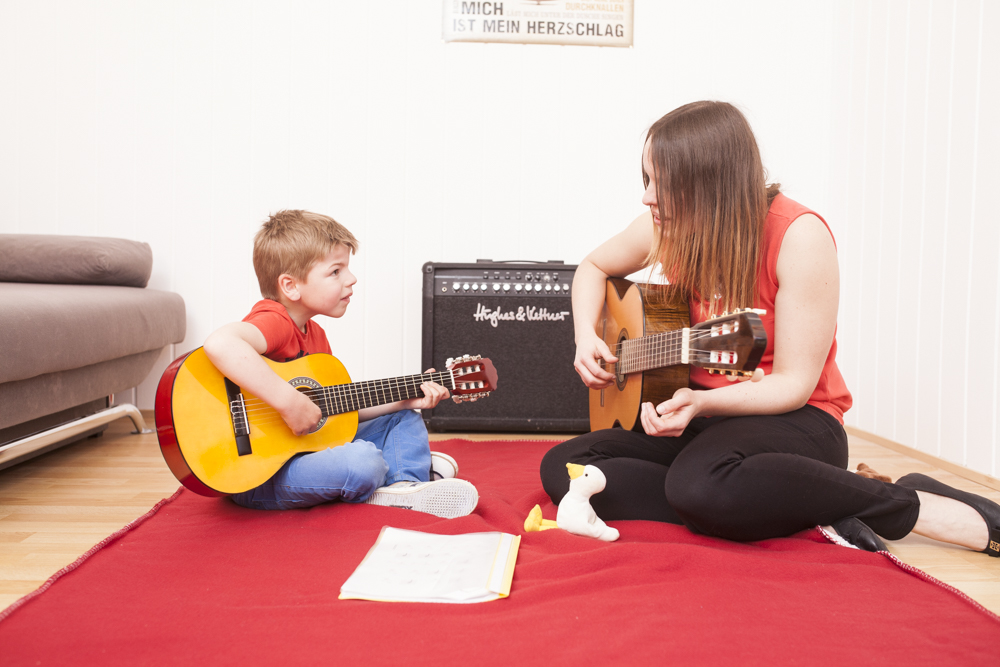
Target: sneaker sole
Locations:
point(446, 498)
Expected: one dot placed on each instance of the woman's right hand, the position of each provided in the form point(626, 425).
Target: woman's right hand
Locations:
point(589, 354)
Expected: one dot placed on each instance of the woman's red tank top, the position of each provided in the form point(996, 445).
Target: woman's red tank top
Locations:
point(831, 393)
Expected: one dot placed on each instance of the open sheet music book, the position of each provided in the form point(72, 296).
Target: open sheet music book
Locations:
point(410, 566)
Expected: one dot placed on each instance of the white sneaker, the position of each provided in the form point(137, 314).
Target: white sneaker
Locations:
point(446, 498)
point(443, 466)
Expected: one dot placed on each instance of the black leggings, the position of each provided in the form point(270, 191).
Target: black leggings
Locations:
point(741, 478)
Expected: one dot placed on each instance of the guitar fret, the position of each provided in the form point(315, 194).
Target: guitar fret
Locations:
point(326, 402)
point(342, 398)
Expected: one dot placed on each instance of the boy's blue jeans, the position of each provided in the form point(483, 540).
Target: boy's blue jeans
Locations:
point(388, 449)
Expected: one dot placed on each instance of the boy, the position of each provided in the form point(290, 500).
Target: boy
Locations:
point(301, 260)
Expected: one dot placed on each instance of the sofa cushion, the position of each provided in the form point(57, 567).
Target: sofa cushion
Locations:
point(74, 260)
point(53, 328)
point(53, 392)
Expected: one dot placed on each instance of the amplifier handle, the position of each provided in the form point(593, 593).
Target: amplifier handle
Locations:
point(518, 261)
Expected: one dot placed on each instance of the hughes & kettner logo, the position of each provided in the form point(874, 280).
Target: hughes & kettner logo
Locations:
point(522, 314)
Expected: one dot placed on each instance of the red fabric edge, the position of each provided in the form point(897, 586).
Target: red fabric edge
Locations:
point(917, 572)
point(90, 552)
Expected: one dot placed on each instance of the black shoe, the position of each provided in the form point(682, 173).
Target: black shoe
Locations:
point(860, 535)
point(988, 509)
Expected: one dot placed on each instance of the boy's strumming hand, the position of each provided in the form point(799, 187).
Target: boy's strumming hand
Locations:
point(300, 413)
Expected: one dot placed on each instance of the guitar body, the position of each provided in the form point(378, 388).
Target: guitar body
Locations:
point(195, 427)
point(633, 311)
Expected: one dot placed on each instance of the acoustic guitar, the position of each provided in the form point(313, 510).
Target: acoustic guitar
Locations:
point(648, 328)
point(219, 440)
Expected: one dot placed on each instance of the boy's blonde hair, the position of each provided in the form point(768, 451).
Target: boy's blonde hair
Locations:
point(292, 242)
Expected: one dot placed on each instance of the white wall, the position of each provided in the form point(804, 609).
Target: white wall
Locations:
point(185, 123)
point(916, 165)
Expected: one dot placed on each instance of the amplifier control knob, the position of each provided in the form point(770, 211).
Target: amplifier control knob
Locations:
point(548, 288)
point(465, 286)
point(506, 287)
point(517, 287)
point(456, 286)
point(557, 288)
point(565, 287)
point(538, 287)
point(475, 287)
point(496, 287)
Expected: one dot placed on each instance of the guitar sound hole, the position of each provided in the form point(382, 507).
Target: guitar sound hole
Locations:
point(313, 389)
point(620, 377)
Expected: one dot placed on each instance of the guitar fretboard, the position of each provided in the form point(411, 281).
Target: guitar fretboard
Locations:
point(648, 352)
point(340, 398)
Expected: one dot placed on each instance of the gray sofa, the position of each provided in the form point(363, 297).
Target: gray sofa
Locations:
point(77, 325)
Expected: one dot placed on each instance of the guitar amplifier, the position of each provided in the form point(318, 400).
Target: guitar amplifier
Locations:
point(518, 315)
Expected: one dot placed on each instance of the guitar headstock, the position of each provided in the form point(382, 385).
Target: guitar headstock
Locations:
point(731, 344)
point(474, 377)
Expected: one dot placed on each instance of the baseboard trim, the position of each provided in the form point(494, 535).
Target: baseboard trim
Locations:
point(936, 461)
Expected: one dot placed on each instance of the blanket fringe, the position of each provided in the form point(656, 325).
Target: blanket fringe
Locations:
point(920, 574)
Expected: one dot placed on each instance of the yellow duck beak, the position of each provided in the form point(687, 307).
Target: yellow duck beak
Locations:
point(575, 470)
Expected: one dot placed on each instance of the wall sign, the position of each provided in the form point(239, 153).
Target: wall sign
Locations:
point(583, 22)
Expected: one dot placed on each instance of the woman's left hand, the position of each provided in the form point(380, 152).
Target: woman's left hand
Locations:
point(670, 418)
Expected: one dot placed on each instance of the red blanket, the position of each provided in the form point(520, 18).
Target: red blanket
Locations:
point(203, 580)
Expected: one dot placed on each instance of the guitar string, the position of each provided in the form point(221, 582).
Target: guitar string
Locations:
point(349, 394)
point(636, 353)
point(332, 394)
point(665, 336)
point(642, 359)
point(265, 414)
point(363, 390)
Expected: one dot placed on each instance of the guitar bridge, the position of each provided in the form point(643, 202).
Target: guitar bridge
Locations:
point(238, 415)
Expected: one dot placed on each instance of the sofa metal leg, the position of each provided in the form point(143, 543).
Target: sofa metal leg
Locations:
point(33, 444)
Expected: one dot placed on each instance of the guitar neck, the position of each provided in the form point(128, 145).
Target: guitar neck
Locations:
point(340, 398)
point(649, 352)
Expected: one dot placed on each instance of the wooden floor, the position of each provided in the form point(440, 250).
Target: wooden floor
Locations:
point(55, 507)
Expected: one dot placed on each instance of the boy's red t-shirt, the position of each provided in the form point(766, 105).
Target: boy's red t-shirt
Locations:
point(284, 340)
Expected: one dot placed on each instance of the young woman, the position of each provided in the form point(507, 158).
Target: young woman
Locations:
point(742, 460)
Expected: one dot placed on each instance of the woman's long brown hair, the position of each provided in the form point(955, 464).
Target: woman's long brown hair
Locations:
point(713, 198)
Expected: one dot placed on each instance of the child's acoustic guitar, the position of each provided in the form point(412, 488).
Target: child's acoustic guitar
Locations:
point(648, 328)
point(219, 440)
